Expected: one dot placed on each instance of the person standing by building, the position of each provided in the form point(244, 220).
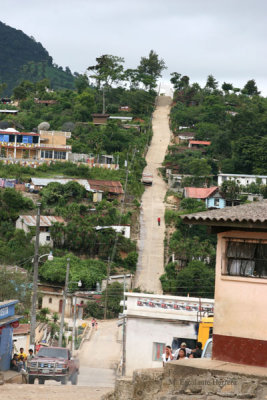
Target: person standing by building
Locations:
point(167, 356)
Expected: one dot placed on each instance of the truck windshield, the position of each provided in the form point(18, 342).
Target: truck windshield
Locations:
point(52, 352)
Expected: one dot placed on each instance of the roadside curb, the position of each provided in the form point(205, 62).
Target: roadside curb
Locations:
point(11, 377)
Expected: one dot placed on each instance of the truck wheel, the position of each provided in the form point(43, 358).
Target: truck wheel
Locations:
point(41, 381)
point(31, 380)
point(64, 380)
point(74, 379)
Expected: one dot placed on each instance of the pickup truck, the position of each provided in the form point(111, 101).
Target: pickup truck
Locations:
point(53, 363)
point(147, 178)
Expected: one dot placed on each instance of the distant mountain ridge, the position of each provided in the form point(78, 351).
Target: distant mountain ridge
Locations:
point(21, 57)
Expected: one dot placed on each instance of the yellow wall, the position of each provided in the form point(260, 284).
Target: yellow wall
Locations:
point(54, 137)
point(240, 302)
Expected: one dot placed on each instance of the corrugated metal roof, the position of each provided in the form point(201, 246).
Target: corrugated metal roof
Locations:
point(199, 193)
point(46, 181)
point(106, 186)
point(45, 220)
point(252, 213)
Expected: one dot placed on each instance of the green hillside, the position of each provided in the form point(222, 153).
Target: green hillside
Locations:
point(21, 57)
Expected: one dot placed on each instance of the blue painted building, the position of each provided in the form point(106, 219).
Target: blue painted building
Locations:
point(8, 321)
point(211, 196)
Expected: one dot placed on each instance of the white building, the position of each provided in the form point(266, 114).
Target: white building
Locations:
point(26, 222)
point(125, 230)
point(243, 180)
point(154, 321)
point(119, 279)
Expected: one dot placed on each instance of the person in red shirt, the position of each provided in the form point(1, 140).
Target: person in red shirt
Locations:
point(158, 221)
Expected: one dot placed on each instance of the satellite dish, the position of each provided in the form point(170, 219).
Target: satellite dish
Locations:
point(43, 126)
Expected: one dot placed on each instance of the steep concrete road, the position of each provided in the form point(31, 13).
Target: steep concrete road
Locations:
point(151, 244)
point(98, 358)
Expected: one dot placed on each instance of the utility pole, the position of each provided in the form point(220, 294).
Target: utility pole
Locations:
point(104, 101)
point(106, 294)
point(124, 331)
point(64, 303)
point(35, 276)
point(74, 325)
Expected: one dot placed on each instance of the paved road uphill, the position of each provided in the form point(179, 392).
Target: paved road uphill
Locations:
point(98, 358)
point(151, 244)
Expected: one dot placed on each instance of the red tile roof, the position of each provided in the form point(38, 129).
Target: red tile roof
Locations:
point(203, 142)
point(251, 214)
point(199, 193)
point(22, 329)
point(106, 186)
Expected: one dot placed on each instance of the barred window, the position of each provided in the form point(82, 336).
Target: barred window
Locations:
point(247, 258)
point(46, 154)
point(60, 155)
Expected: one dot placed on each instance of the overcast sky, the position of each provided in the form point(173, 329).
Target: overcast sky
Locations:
point(226, 38)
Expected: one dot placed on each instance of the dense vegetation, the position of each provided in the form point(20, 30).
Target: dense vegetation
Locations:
point(89, 248)
point(21, 57)
point(193, 248)
point(234, 120)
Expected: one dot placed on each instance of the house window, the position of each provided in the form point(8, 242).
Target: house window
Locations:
point(50, 300)
point(48, 238)
point(46, 154)
point(246, 258)
point(216, 202)
point(158, 350)
point(59, 155)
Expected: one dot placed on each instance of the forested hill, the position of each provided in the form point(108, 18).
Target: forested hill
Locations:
point(21, 57)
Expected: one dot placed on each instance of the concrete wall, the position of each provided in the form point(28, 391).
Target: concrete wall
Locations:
point(192, 379)
point(54, 137)
point(142, 333)
point(241, 179)
point(240, 302)
point(240, 310)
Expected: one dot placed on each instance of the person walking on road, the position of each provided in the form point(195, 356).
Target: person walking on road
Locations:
point(158, 221)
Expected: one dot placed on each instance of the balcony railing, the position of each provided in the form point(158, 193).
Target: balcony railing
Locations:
point(35, 145)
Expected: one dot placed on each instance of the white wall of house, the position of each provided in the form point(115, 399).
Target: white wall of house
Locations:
point(44, 237)
point(142, 336)
point(156, 319)
point(241, 179)
point(125, 230)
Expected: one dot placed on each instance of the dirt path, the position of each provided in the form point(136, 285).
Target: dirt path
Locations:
point(151, 243)
point(98, 357)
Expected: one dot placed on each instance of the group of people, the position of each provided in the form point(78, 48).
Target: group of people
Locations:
point(20, 360)
point(183, 352)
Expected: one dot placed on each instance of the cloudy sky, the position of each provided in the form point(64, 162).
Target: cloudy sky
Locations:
point(226, 38)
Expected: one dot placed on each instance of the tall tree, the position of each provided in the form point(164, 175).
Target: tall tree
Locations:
point(150, 69)
point(226, 87)
point(211, 83)
point(250, 88)
point(108, 70)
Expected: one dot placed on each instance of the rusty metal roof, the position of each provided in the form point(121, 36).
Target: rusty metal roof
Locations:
point(246, 214)
point(22, 329)
point(106, 186)
point(45, 220)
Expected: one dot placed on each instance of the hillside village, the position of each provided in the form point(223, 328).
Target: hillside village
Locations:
point(72, 198)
